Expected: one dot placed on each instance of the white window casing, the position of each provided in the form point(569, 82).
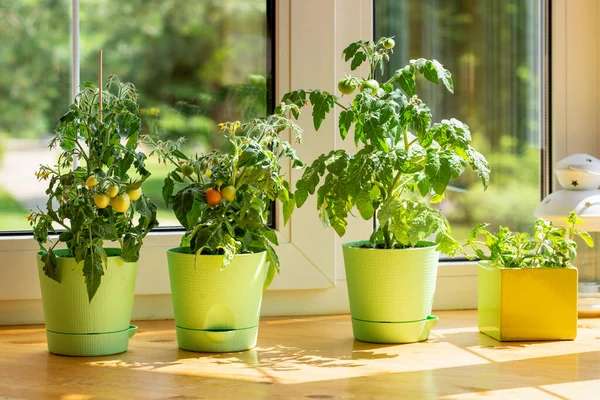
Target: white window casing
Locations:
point(310, 36)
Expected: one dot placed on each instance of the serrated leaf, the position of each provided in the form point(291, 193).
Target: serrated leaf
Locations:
point(167, 190)
point(93, 270)
point(351, 50)
point(479, 165)
point(345, 122)
point(50, 265)
point(273, 267)
point(357, 60)
point(365, 205)
point(322, 103)
point(405, 78)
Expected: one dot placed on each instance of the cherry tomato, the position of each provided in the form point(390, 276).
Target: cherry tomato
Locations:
point(229, 193)
point(113, 190)
point(101, 199)
point(134, 194)
point(91, 181)
point(347, 86)
point(213, 197)
point(389, 43)
point(371, 86)
point(121, 203)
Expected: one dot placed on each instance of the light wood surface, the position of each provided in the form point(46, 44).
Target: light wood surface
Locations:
point(309, 358)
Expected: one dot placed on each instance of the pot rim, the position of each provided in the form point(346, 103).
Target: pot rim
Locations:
point(174, 251)
point(490, 264)
point(353, 245)
point(111, 252)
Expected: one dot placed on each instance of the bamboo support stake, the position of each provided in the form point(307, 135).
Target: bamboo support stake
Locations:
point(100, 85)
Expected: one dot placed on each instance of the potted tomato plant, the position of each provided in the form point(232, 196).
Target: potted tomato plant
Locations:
point(88, 289)
point(528, 283)
point(226, 258)
point(403, 163)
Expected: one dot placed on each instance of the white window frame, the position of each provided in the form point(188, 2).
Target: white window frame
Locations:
point(310, 35)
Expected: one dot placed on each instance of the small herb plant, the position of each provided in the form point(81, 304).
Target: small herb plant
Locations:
point(99, 199)
point(404, 160)
point(226, 195)
point(545, 247)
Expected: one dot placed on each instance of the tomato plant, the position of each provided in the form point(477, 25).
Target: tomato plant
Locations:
point(405, 162)
point(79, 207)
point(248, 177)
point(546, 246)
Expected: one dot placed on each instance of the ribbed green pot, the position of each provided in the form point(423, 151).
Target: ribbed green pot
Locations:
point(77, 327)
point(391, 292)
point(216, 309)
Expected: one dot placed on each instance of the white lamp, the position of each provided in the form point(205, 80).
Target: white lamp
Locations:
point(579, 175)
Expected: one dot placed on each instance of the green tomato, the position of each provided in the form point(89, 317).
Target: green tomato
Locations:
point(187, 170)
point(371, 86)
point(347, 86)
point(389, 43)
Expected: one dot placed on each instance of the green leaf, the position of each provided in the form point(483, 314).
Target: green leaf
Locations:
point(444, 75)
point(322, 103)
point(365, 205)
point(447, 244)
point(586, 238)
point(273, 267)
point(345, 122)
point(288, 208)
point(300, 196)
point(132, 244)
point(479, 165)
point(350, 51)
point(50, 265)
point(434, 71)
point(405, 78)
point(194, 213)
point(270, 235)
point(167, 190)
point(422, 184)
point(357, 60)
point(93, 269)
point(105, 229)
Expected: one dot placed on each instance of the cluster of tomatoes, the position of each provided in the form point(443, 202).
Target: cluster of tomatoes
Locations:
point(120, 202)
point(371, 86)
point(213, 196)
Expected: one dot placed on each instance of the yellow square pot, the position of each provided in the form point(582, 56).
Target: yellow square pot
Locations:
point(521, 304)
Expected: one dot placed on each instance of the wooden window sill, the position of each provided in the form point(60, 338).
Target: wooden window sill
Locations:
point(309, 357)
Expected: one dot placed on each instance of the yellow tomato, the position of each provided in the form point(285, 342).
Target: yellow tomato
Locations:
point(113, 190)
point(101, 199)
point(91, 181)
point(134, 194)
point(228, 193)
point(120, 203)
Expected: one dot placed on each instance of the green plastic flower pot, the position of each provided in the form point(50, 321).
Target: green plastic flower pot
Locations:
point(77, 327)
point(391, 292)
point(216, 309)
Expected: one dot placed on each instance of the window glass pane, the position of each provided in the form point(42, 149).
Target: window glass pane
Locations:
point(194, 63)
point(35, 87)
point(492, 49)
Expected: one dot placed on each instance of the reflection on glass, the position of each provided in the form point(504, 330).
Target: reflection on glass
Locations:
point(195, 64)
point(35, 83)
point(492, 48)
